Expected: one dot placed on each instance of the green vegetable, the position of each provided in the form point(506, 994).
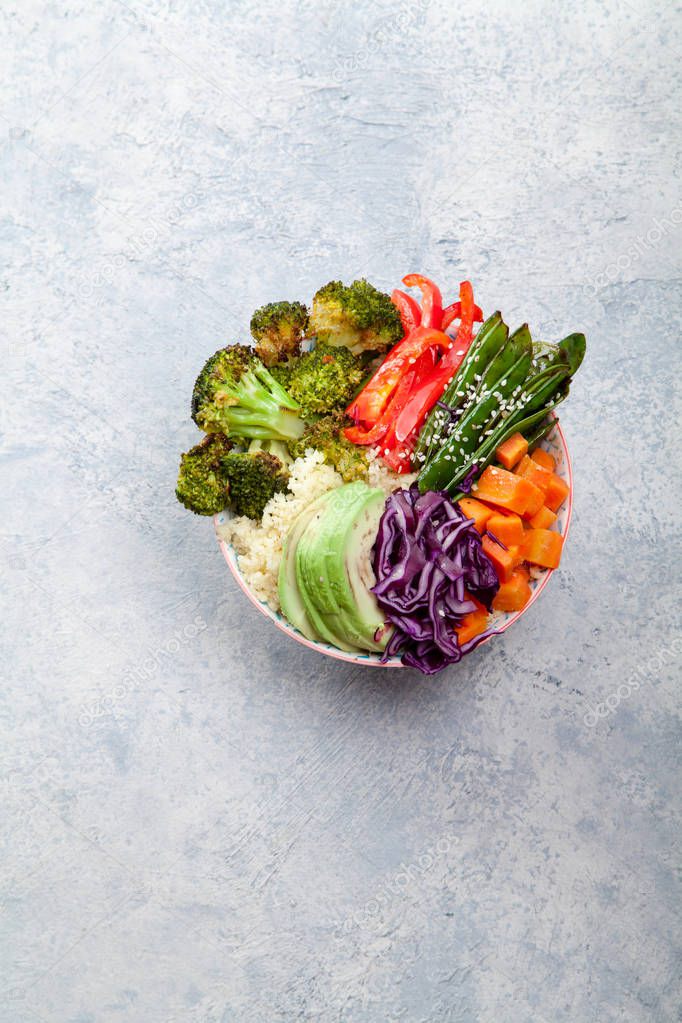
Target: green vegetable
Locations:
point(505, 374)
point(324, 379)
point(330, 553)
point(290, 598)
point(202, 483)
point(278, 329)
point(236, 395)
point(325, 435)
point(520, 401)
point(535, 434)
point(359, 316)
point(253, 478)
point(491, 337)
point(274, 447)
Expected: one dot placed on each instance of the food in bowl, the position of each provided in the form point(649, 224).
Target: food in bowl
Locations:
point(384, 467)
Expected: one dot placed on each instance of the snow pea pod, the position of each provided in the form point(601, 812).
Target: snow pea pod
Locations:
point(504, 376)
point(490, 338)
point(486, 452)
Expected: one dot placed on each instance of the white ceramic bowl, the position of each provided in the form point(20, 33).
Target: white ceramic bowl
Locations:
point(554, 443)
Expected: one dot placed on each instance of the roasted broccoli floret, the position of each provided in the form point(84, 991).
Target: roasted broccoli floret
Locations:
point(236, 395)
point(282, 372)
point(278, 329)
point(273, 447)
point(253, 478)
point(325, 379)
point(326, 436)
point(359, 316)
point(202, 481)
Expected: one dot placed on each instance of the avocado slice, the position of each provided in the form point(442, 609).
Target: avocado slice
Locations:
point(311, 581)
point(290, 599)
point(334, 571)
point(351, 576)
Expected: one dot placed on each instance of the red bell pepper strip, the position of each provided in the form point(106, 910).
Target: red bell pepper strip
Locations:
point(410, 313)
point(395, 458)
point(467, 316)
point(362, 435)
point(407, 423)
point(370, 403)
point(372, 435)
point(454, 312)
point(432, 301)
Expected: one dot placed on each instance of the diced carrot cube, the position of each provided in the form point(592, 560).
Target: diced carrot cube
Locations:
point(557, 492)
point(516, 552)
point(542, 519)
point(505, 490)
point(507, 528)
point(504, 561)
point(544, 459)
point(473, 509)
point(512, 450)
point(473, 625)
point(514, 594)
point(530, 470)
point(535, 502)
point(542, 547)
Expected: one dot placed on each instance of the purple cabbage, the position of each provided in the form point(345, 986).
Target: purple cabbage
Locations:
point(427, 558)
point(466, 484)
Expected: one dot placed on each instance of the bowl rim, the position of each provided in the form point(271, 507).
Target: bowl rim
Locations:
point(372, 659)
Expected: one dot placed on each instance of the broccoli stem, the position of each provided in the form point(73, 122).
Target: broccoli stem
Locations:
point(264, 425)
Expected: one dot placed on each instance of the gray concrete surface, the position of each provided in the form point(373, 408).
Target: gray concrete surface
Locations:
point(203, 822)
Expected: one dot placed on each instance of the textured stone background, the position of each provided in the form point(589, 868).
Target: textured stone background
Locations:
point(203, 822)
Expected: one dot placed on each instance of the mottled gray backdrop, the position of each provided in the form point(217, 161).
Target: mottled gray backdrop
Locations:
point(201, 821)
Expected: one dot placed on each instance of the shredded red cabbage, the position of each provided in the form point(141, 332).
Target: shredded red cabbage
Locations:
point(497, 540)
point(428, 560)
point(467, 483)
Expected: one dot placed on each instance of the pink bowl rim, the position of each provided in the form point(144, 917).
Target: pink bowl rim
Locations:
point(372, 660)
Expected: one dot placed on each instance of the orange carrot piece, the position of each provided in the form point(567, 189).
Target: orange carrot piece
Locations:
point(530, 470)
point(542, 519)
point(514, 594)
point(504, 561)
point(473, 509)
point(542, 547)
point(512, 450)
point(506, 490)
point(535, 502)
point(474, 624)
point(557, 492)
point(544, 459)
point(507, 528)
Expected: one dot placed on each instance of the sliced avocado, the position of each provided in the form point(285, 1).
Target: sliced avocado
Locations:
point(351, 576)
point(334, 571)
point(290, 599)
point(311, 573)
point(311, 584)
point(310, 581)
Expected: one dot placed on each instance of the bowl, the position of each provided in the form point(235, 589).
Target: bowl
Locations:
point(555, 443)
